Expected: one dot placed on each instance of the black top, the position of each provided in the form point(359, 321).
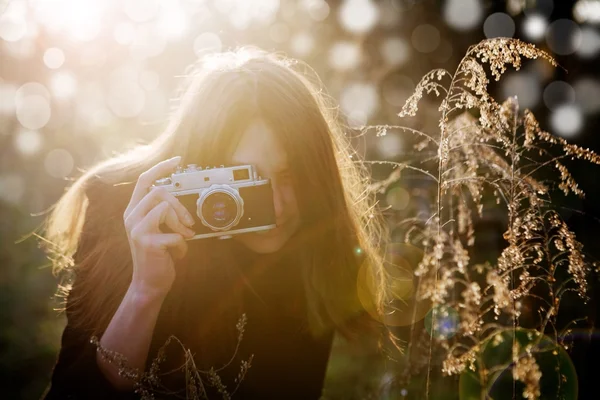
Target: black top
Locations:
point(288, 362)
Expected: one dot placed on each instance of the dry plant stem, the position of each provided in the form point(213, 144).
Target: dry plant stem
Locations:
point(147, 384)
point(130, 333)
point(490, 153)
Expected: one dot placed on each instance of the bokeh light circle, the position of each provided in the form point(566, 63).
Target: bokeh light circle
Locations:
point(147, 42)
point(54, 58)
point(567, 120)
point(539, 7)
point(397, 197)
point(207, 42)
point(534, 27)
point(13, 27)
point(359, 97)
point(345, 55)
point(279, 32)
point(28, 142)
point(172, 22)
point(33, 111)
point(317, 9)
point(155, 107)
point(463, 15)
point(125, 97)
point(356, 119)
point(124, 33)
point(59, 163)
point(126, 100)
point(441, 322)
point(587, 11)
point(558, 93)
point(31, 88)
point(21, 50)
point(389, 147)
point(8, 94)
point(401, 261)
point(396, 89)
point(149, 80)
point(91, 56)
point(563, 37)
point(443, 52)
point(140, 10)
point(525, 85)
point(302, 44)
point(12, 188)
point(425, 38)
point(63, 85)
point(590, 42)
point(395, 51)
point(499, 25)
point(358, 16)
point(586, 95)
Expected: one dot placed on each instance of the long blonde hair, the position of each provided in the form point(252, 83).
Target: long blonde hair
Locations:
point(343, 230)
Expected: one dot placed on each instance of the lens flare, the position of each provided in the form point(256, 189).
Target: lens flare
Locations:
point(403, 310)
point(442, 322)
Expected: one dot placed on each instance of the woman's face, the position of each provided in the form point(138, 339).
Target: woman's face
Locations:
point(259, 146)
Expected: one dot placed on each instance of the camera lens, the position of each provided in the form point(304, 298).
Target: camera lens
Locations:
point(219, 209)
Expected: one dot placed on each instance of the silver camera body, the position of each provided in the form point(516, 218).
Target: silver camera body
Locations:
point(223, 200)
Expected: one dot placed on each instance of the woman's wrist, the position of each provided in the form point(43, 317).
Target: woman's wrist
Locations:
point(144, 295)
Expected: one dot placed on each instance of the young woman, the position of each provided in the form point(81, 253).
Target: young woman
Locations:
point(133, 284)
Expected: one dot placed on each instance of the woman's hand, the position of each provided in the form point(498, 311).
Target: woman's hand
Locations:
point(153, 252)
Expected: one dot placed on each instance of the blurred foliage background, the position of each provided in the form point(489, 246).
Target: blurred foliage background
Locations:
point(82, 79)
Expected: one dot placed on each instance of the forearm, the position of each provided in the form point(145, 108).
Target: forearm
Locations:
point(130, 334)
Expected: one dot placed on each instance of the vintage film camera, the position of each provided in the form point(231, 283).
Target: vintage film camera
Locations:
point(223, 200)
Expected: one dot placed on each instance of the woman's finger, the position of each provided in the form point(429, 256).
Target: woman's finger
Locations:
point(148, 178)
point(172, 242)
point(150, 201)
point(163, 213)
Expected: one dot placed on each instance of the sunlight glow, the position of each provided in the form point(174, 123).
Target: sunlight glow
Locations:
point(124, 33)
point(172, 23)
point(80, 19)
point(140, 10)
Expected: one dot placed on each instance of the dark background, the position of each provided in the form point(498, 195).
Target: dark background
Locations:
point(113, 90)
